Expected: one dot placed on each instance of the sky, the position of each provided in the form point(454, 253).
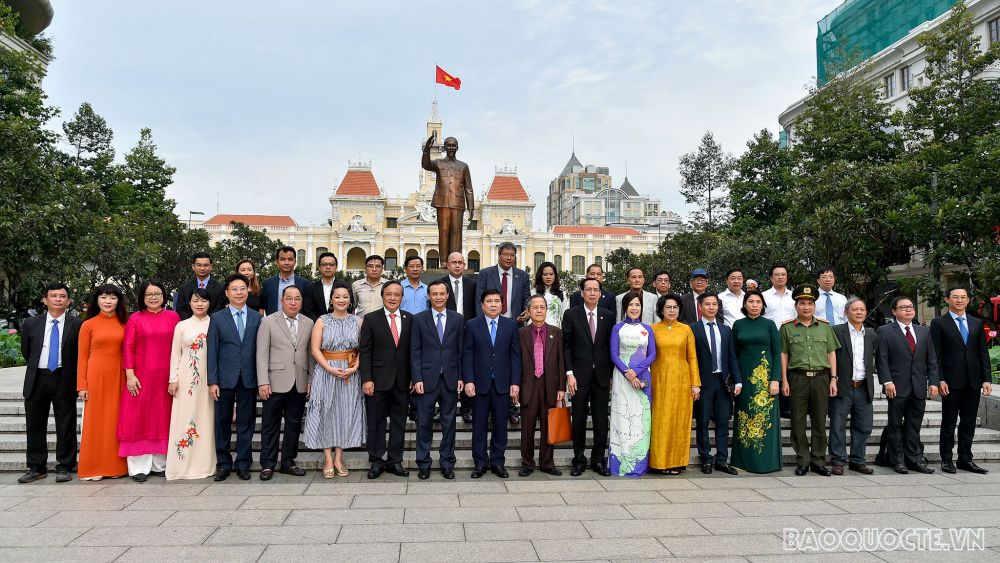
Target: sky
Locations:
point(262, 105)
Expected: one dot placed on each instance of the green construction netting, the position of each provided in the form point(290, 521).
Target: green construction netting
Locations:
point(865, 27)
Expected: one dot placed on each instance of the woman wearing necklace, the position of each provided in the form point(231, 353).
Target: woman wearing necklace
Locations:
point(676, 384)
point(633, 349)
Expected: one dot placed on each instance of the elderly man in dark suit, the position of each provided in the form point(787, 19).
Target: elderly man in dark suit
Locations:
point(49, 346)
point(511, 282)
point(960, 343)
point(908, 370)
point(543, 378)
point(855, 390)
point(232, 377)
point(384, 353)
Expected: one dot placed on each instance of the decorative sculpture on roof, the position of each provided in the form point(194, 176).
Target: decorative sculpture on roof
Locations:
point(507, 229)
point(357, 225)
point(427, 212)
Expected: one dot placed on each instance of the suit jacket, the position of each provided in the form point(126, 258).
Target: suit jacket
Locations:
point(911, 373)
point(434, 362)
point(281, 363)
point(216, 302)
point(961, 364)
point(580, 353)
point(845, 359)
point(469, 309)
point(607, 301)
point(553, 367)
point(382, 361)
point(726, 352)
point(229, 359)
point(269, 292)
point(32, 339)
point(690, 315)
point(489, 278)
point(314, 302)
point(485, 363)
point(649, 301)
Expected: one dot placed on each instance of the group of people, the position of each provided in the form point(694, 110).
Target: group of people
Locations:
point(344, 365)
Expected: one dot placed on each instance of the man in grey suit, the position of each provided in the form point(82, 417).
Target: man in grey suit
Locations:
point(284, 372)
point(511, 282)
point(908, 370)
point(855, 389)
point(636, 280)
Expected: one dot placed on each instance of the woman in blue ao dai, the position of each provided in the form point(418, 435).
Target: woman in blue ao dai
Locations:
point(633, 350)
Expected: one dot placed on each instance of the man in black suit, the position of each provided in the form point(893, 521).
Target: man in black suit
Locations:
point(271, 289)
point(699, 284)
point(716, 364)
point(385, 379)
point(316, 299)
point(511, 282)
point(607, 300)
point(461, 299)
point(49, 346)
point(908, 370)
point(855, 390)
point(201, 263)
point(587, 355)
point(960, 343)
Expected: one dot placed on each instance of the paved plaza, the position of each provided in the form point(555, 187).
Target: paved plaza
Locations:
point(540, 518)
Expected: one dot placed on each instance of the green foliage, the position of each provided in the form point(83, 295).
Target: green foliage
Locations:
point(705, 176)
point(10, 349)
point(244, 243)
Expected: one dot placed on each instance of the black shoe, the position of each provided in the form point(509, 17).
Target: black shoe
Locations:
point(139, 477)
point(500, 471)
point(726, 468)
point(413, 414)
point(577, 470)
point(437, 416)
point(801, 470)
point(525, 471)
point(882, 462)
point(601, 469)
point(971, 466)
point(706, 468)
point(424, 474)
point(31, 475)
point(266, 474)
point(157, 473)
point(467, 416)
point(513, 417)
point(243, 474)
point(448, 473)
point(819, 469)
point(397, 470)
point(922, 468)
point(478, 472)
point(221, 475)
point(900, 468)
point(551, 471)
point(63, 476)
point(294, 471)
point(376, 471)
point(947, 466)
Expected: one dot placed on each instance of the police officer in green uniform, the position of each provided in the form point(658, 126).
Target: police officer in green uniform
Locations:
point(808, 359)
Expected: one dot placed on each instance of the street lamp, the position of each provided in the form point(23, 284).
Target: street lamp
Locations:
point(192, 213)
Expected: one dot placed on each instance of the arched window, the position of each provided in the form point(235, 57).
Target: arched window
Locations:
point(319, 251)
point(579, 264)
point(474, 260)
point(433, 260)
point(539, 258)
point(391, 259)
point(599, 261)
point(300, 258)
point(558, 262)
point(356, 259)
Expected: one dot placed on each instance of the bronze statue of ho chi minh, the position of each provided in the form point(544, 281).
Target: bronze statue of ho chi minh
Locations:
point(452, 194)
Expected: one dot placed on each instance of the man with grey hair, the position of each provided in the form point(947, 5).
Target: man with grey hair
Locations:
point(855, 389)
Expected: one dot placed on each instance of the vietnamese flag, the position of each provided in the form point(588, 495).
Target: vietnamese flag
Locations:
point(443, 77)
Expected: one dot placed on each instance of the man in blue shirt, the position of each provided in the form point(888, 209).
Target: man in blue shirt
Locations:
point(414, 290)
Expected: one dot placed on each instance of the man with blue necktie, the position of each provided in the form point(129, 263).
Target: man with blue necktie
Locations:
point(830, 306)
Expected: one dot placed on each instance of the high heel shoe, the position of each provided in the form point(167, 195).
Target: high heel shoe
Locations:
point(341, 471)
point(329, 473)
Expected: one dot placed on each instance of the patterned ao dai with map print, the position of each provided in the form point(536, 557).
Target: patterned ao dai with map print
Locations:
point(632, 347)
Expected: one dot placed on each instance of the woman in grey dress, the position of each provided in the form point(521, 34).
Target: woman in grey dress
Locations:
point(335, 416)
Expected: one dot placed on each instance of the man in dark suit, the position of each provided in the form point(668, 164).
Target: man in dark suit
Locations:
point(960, 343)
point(855, 389)
point(461, 299)
point(232, 377)
point(607, 300)
point(908, 370)
point(491, 370)
point(511, 282)
point(543, 378)
point(587, 354)
point(699, 284)
point(385, 379)
point(436, 346)
point(49, 346)
point(716, 364)
point(316, 298)
point(201, 263)
point(270, 294)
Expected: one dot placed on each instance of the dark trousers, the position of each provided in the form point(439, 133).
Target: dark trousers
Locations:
point(855, 403)
point(392, 404)
point(715, 407)
point(906, 415)
point(245, 399)
point(533, 407)
point(444, 396)
point(962, 406)
point(599, 399)
point(490, 407)
point(289, 407)
point(466, 401)
point(50, 389)
point(810, 396)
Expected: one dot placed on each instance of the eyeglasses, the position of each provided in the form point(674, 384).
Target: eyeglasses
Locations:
point(237, 289)
point(327, 265)
point(157, 294)
point(904, 308)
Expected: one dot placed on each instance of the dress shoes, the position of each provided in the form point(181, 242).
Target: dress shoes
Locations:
point(900, 468)
point(706, 468)
point(376, 471)
point(947, 466)
point(448, 473)
point(294, 471)
point(63, 476)
point(397, 470)
point(819, 469)
point(266, 474)
point(525, 471)
point(424, 474)
point(514, 417)
point(31, 475)
point(601, 469)
point(243, 474)
point(551, 471)
point(726, 468)
point(157, 473)
point(837, 470)
point(971, 466)
point(922, 468)
point(140, 477)
point(478, 472)
point(436, 419)
point(577, 470)
point(801, 470)
point(860, 468)
point(221, 475)
point(500, 471)
point(467, 416)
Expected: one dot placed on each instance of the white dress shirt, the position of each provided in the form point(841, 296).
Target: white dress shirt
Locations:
point(857, 352)
point(444, 318)
point(903, 328)
point(710, 335)
point(456, 290)
point(43, 358)
point(327, 291)
point(779, 308)
point(398, 321)
point(732, 306)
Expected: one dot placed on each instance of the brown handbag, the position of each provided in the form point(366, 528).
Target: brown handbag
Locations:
point(559, 426)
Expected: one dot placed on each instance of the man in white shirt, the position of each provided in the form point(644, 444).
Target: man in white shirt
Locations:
point(855, 390)
point(732, 298)
point(778, 302)
point(830, 305)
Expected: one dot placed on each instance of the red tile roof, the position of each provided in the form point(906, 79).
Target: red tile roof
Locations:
point(506, 188)
point(359, 182)
point(263, 220)
point(572, 230)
